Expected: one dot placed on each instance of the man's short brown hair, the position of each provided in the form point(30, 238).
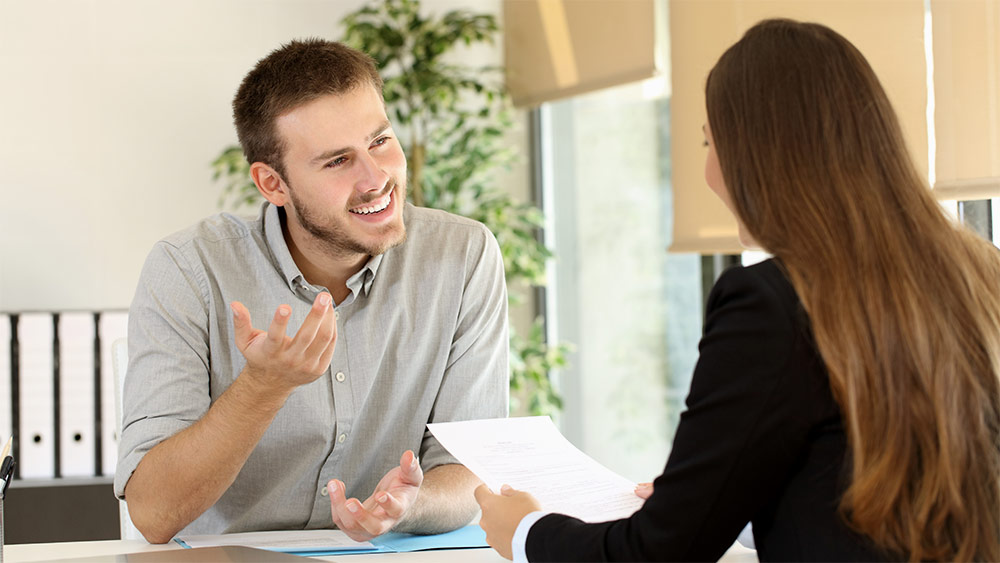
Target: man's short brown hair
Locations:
point(294, 74)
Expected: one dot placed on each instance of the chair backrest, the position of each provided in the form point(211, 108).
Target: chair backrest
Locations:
point(119, 363)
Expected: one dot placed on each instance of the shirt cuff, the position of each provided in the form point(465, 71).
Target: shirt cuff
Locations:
point(517, 543)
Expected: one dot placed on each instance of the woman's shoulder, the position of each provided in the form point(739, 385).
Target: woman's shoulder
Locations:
point(764, 285)
point(768, 273)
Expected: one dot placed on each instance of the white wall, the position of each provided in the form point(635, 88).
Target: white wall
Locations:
point(110, 114)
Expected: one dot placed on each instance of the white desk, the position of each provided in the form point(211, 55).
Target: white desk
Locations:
point(29, 552)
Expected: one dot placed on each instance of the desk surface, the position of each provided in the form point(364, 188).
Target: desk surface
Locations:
point(29, 552)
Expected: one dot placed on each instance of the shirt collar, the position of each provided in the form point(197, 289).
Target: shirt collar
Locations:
point(273, 233)
point(369, 271)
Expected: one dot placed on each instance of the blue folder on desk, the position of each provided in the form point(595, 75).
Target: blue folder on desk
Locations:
point(462, 538)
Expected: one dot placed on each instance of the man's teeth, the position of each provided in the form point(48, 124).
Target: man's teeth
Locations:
point(373, 209)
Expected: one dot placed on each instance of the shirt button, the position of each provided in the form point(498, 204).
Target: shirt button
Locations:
point(323, 491)
point(340, 376)
point(341, 438)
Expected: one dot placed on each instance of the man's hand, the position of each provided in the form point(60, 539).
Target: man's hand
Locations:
point(275, 359)
point(393, 496)
point(167, 491)
point(501, 515)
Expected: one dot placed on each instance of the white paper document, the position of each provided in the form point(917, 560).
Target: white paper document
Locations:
point(289, 541)
point(529, 454)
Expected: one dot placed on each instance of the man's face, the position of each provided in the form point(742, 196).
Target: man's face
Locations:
point(345, 173)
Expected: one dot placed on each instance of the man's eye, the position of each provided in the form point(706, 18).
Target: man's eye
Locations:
point(380, 141)
point(336, 162)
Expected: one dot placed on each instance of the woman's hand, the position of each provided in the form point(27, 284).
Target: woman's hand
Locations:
point(644, 490)
point(501, 515)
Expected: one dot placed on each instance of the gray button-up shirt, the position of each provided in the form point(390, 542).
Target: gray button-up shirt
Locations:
point(422, 337)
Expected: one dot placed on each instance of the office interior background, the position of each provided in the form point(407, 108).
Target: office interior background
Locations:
point(111, 112)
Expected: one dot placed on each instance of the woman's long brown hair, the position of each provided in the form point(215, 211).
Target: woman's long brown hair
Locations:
point(904, 303)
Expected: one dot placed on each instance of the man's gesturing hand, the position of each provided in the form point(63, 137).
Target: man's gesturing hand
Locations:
point(277, 359)
point(393, 496)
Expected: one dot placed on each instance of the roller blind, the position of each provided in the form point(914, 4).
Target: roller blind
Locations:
point(560, 48)
point(966, 46)
point(888, 32)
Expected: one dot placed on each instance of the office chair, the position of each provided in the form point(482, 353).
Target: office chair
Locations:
point(119, 363)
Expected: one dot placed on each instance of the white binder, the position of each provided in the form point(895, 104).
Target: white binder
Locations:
point(6, 423)
point(76, 394)
point(114, 325)
point(37, 435)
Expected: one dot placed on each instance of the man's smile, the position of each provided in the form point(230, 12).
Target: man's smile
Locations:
point(372, 207)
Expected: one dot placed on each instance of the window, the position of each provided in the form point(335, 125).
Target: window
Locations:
point(980, 215)
point(631, 309)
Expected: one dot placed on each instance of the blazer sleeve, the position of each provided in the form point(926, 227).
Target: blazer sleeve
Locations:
point(747, 417)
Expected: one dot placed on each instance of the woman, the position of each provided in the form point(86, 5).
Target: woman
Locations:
point(846, 396)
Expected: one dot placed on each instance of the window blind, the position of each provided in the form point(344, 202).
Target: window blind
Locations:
point(560, 48)
point(890, 33)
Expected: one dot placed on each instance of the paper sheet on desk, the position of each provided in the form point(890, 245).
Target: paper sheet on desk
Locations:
point(336, 542)
point(292, 541)
point(529, 454)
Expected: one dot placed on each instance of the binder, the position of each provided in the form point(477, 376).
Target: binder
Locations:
point(37, 407)
point(6, 422)
point(76, 395)
point(113, 325)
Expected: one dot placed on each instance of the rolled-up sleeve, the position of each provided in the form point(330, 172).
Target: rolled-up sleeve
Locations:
point(166, 387)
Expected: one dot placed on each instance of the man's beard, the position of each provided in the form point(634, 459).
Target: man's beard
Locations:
point(333, 233)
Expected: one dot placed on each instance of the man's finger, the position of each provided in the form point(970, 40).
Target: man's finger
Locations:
point(391, 505)
point(276, 331)
point(336, 501)
point(307, 331)
point(507, 490)
point(320, 349)
point(327, 355)
point(338, 505)
point(242, 329)
point(411, 472)
point(349, 525)
point(331, 490)
point(368, 521)
point(336, 519)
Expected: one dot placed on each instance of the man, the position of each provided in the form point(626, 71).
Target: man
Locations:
point(281, 367)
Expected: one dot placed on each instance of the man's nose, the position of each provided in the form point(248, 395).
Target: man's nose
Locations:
point(372, 176)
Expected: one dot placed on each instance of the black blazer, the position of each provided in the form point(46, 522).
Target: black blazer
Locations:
point(761, 440)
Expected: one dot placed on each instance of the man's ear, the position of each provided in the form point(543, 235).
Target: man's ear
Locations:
point(270, 184)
